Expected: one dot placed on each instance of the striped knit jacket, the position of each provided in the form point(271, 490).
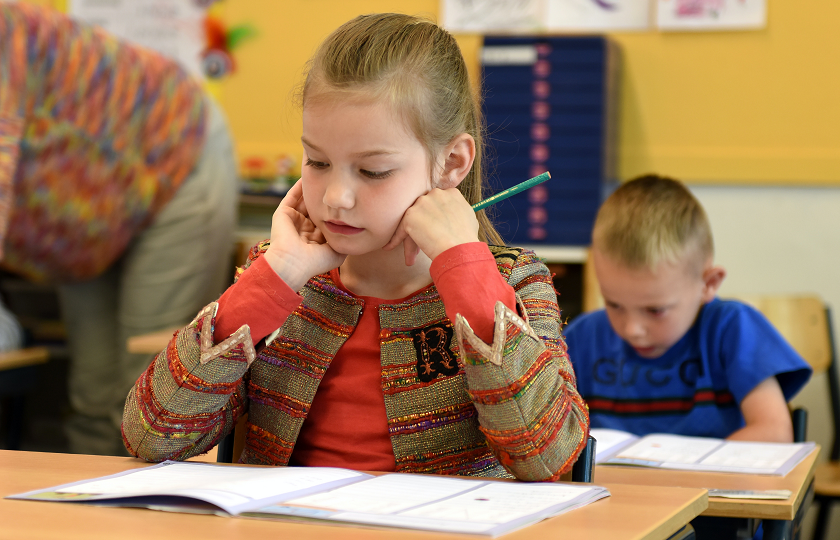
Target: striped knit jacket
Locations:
point(509, 407)
point(96, 136)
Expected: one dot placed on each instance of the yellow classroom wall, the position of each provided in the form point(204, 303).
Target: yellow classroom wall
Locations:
point(259, 97)
point(738, 106)
point(745, 106)
point(752, 106)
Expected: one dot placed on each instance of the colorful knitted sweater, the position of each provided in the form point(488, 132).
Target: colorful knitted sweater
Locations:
point(509, 408)
point(95, 137)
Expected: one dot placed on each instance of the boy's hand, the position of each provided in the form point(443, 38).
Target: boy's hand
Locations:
point(298, 249)
point(437, 221)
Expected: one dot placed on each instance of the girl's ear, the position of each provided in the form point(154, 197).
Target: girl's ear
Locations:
point(457, 157)
point(713, 277)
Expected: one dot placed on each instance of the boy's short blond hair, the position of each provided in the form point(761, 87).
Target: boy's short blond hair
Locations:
point(652, 219)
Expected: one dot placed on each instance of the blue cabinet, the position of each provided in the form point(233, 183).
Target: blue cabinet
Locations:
point(549, 105)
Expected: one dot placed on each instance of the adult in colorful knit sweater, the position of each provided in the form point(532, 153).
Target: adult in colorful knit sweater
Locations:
point(112, 161)
point(377, 329)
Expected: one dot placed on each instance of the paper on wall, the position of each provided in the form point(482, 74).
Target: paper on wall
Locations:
point(175, 28)
point(711, 14)
point(545, 15)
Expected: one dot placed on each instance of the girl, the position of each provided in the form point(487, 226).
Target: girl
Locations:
point(444, 356)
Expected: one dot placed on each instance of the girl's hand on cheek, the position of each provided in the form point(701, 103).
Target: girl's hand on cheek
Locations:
point(437, 221)
point(298, 248)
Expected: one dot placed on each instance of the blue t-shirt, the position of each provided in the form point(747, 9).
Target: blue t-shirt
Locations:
point(695, 388)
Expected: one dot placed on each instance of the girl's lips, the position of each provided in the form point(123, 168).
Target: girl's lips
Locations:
point(644, 350)
point(342, 228)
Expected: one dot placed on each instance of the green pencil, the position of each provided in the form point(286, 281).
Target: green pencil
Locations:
point(502, 195)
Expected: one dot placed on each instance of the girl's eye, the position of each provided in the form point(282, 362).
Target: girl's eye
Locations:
point(656, 312)
point(316, 164)
point(375, 175)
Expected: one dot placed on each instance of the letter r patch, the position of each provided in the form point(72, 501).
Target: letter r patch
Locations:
point(433, 345)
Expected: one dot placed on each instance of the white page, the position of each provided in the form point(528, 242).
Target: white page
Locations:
point(752, 455)
point(494, 508)
point(387, 494)
point(417, 502)
point(707, 454)
point(609, 440)
point(221, 485)
point(422, 523)
point(499, 502)
point(669, 448)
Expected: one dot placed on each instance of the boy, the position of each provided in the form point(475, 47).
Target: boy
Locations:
point(666, 356)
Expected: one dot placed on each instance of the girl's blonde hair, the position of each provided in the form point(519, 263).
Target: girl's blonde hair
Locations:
point(418, 68)
point(652, 219)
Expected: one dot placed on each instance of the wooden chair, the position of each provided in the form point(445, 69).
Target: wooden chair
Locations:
point(230, 448)
point(18, 375)
point(805, 321)
point(592, 298)
point(584, 468)
point(827, 475)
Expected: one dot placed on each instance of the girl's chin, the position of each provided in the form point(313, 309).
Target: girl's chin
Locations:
point(359, 244)
point(356, 251)
point(343, 246)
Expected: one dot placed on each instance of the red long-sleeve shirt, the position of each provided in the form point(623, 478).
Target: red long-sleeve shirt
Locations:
point(346, 425)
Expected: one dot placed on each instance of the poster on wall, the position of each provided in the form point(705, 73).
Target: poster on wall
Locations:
point(174, 28)
point(493, 15)
point(523, 16)
point(599, 15)
point(711, 14)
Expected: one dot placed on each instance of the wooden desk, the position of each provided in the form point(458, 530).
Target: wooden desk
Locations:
point(631, 513)
point(23, 357)
point(798, 481)
point(151, 343)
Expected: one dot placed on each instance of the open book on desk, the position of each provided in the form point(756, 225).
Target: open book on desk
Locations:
point(665, 451)
point(437, 503)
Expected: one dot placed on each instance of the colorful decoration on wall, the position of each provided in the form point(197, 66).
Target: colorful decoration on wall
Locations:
point(217, 58)
point(190, 31)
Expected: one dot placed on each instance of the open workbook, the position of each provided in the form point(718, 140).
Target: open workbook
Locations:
point(436, 503)
point(665, 451)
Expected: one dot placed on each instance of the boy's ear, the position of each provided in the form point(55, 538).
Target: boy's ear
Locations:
point(457, 157)
point(713, 277)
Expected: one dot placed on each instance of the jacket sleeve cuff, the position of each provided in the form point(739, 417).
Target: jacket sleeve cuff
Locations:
point(239, 343)
point(508, 327)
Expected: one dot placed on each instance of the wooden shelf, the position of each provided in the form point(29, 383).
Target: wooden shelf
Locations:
point(260, 200)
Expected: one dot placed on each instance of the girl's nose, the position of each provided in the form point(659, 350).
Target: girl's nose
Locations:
point(339, 193)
